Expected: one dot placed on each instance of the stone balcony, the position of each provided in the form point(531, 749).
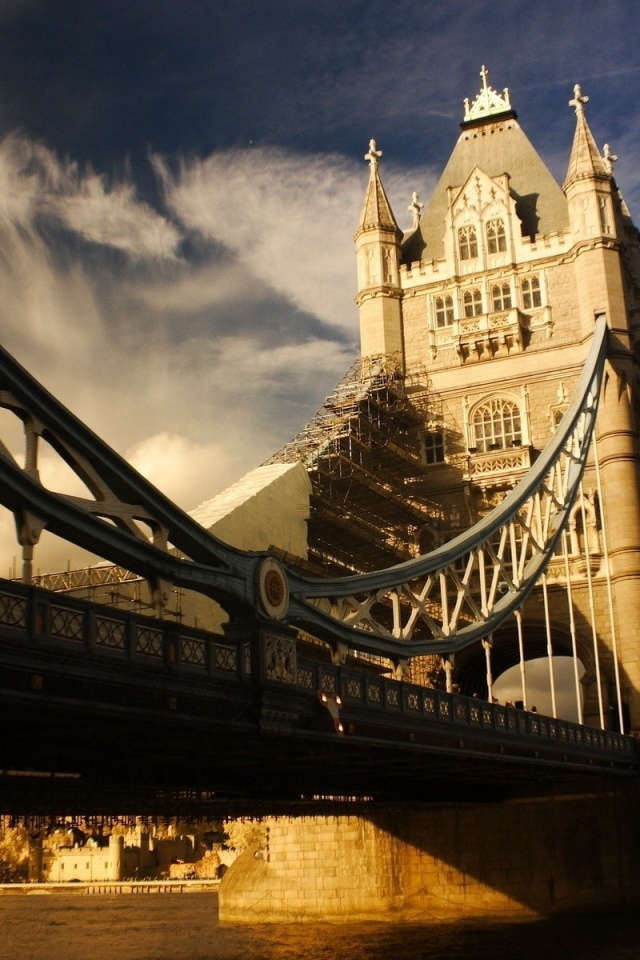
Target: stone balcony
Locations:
point(489, 334)
point(490, 467)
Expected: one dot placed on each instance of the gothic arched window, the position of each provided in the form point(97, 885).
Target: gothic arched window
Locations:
point(496, 425)
point(531, 295)
point(501, 296)
point(472, 302)
point(496, 236)
point(444, 311)
point(468, 242)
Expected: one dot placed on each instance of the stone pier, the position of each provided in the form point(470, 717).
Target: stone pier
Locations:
point(510, 860)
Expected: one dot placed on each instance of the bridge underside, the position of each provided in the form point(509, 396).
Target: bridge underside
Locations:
point(189, 765)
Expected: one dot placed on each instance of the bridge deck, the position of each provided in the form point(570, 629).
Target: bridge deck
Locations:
point(105, 711)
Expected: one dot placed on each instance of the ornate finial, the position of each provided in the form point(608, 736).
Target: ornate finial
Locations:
point(609, 158)
point(578, 100)
point(488, 102)
point(374, 154)
point(415, 207)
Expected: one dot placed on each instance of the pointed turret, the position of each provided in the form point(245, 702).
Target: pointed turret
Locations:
point(598, 228)
point(593, 202)
point(377, 241)
point(376, 210)
point(585, 160)
point(589, 185)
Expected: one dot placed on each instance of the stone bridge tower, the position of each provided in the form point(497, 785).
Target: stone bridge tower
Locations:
point(501, 278)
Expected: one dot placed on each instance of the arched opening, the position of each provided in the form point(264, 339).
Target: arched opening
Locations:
point(584, 526)
point(470, 671)
point(508, 687)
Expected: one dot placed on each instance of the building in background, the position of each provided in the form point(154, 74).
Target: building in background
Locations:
point(485, 308)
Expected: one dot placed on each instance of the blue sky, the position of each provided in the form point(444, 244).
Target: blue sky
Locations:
point(180, 183)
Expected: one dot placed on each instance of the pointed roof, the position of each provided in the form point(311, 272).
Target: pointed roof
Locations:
point(585, 159)
point(493, 140)
point(376, 211)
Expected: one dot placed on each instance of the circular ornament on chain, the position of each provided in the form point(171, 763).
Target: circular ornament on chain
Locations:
point(273, 588)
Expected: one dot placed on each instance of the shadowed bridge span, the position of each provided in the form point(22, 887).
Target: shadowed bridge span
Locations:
point(106, 710)
point(102, 709)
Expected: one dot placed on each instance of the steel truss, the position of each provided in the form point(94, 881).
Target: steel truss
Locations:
point(464, 590)
point(438, 603)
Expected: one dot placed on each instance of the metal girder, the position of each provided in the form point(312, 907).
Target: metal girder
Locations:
point(440, 602)
point(124, 518)
point(465, 589)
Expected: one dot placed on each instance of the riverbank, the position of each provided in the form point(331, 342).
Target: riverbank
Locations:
point(109, 887)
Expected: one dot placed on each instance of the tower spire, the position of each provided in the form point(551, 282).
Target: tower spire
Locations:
point(594, 206)
point(376, 211)
point(585, 159)
point(377, 241)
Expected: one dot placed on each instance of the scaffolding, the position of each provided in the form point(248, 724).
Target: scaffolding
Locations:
point(363, 454)
point(112, 585)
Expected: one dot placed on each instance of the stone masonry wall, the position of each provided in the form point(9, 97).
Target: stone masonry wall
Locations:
point(505, 860)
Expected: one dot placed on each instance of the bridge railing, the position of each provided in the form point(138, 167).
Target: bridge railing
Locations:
point(393, 699)
point(40, 618)
point(81, 635)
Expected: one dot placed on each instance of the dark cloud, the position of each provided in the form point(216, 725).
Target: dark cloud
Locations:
point(180, 184)
point(102, 81)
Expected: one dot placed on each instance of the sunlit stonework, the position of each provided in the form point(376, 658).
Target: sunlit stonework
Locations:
point(488, 103)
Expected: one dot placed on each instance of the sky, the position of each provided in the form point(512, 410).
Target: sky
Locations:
point(180, 184)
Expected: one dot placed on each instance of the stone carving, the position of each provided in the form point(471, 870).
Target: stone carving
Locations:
point(415, 209)
point(578, 101)
point(280, 659)
point(488, 101)
point(609, 158)
point(373, 155)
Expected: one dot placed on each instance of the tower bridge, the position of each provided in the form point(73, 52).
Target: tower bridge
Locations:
point(473, 504)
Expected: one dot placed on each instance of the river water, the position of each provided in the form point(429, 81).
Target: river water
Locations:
point(186, 927)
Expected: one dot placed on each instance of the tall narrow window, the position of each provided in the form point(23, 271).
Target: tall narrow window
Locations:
point(444, 311)
point(432, 442)
point(531, 296)
point(468, 242)
point(501, 296)
point(496, 425)
point(496, 236)
point(472, 302)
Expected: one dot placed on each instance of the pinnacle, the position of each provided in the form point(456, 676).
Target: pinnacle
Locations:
point(376, 211)
point(585, 159)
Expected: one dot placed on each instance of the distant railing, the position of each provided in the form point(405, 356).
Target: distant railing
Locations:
point(450, 710)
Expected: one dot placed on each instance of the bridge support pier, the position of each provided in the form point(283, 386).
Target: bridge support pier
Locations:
point(512, 859)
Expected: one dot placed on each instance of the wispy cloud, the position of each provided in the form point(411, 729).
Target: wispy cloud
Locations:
point(199, 349)
point(36, 183)
point(289, 218)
